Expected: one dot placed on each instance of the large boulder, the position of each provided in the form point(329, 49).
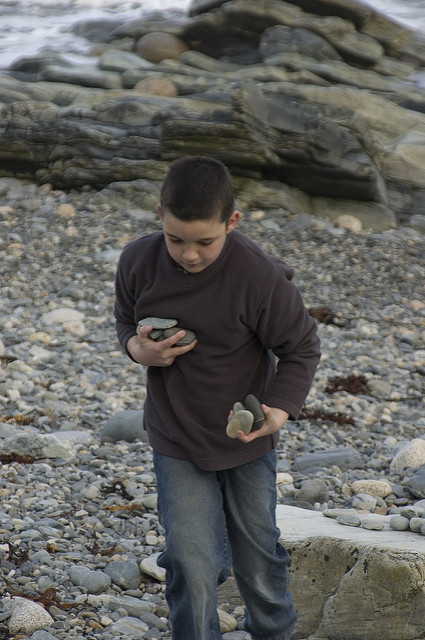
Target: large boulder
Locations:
point(309, 99)
point(352, 582)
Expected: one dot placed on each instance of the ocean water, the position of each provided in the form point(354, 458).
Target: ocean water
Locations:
point(408, 12)
point(29, 26)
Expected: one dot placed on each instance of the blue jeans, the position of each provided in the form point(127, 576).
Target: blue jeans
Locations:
point(215, 521)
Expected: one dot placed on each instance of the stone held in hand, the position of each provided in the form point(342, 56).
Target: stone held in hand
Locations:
point(253, 405)
point(246, 417)
point(188, 337)
point(157, 323)
point(163, 328)
point(242, 420)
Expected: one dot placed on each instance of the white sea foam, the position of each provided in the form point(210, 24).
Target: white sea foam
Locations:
point(29, 26)
point(408, 12)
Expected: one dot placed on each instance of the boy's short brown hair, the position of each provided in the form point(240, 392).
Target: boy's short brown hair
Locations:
point(198, 188)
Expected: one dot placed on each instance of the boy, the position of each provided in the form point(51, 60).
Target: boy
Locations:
point(216, 495)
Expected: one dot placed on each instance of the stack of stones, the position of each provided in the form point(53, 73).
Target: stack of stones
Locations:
point(410, 518)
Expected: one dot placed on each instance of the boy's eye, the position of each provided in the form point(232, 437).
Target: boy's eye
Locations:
point(203, 243)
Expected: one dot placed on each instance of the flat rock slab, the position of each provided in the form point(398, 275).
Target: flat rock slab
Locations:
point(351, 582)
point(300, 524)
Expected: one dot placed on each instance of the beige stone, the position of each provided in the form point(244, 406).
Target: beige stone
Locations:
point(419, 357)
point(411, 455)
point(346, 221)
point(157, 46)
point(380, 488)
point(227, 622)
point(26, 616)
point(66, 210)
point(157, 86)
point(284, 478)
point(374, 216)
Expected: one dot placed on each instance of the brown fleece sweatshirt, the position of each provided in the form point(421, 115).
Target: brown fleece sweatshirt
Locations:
point(254, 336)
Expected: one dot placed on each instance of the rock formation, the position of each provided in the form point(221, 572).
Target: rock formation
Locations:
point(351, 582)
point(313, 106)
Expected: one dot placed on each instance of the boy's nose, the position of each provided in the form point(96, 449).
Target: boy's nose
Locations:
point(190, 254)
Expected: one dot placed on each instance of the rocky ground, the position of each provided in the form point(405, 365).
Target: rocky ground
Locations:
point(77, 521)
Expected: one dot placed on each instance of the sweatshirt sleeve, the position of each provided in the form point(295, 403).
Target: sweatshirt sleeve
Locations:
point(286, 328)
point(124, 303)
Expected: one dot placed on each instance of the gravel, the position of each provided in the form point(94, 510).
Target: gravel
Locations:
point(78, 513)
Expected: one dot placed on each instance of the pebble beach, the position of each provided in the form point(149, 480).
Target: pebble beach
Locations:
point(79, 530)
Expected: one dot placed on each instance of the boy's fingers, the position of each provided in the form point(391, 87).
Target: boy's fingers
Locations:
point(144, 331)
point(167, 350)
point(185, 348)
point(247, 437)
point(172, 340)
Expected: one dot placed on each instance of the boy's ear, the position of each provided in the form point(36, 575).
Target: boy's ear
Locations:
point(233, 221)
point(160, 211)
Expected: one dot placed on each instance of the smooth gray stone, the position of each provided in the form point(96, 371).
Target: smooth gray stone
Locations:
point(188, 338)
point(343, 457)
point(124, 573)
point(399, 523)
point(124, 425)
point(336, 512)
point(155, 334)
point(93, 580)
point(416, 524)
point(153, 620)
point(40, 634)
point(83, 76)
point(282, 39)
point(408, 512)
point(7, 430)
point(373, 525)
point(313, 491)
point(416, 484)
point(364, 501)
point(157, 323)
point(254, 405)
point(134, 606)
point(164, 328)
point(349, 520)
point(116, 60)
point(129, 627)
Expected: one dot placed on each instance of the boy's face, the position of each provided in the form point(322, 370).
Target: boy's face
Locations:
point(195, 244)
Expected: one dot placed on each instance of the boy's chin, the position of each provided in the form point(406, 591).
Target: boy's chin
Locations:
point(193, 268)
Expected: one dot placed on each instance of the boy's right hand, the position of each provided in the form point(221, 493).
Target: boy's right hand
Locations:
point(156, 354)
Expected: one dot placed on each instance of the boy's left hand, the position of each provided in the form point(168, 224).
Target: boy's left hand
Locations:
point(274, 420)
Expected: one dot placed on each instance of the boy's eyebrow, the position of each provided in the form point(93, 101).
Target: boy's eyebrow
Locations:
point(171, 235)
